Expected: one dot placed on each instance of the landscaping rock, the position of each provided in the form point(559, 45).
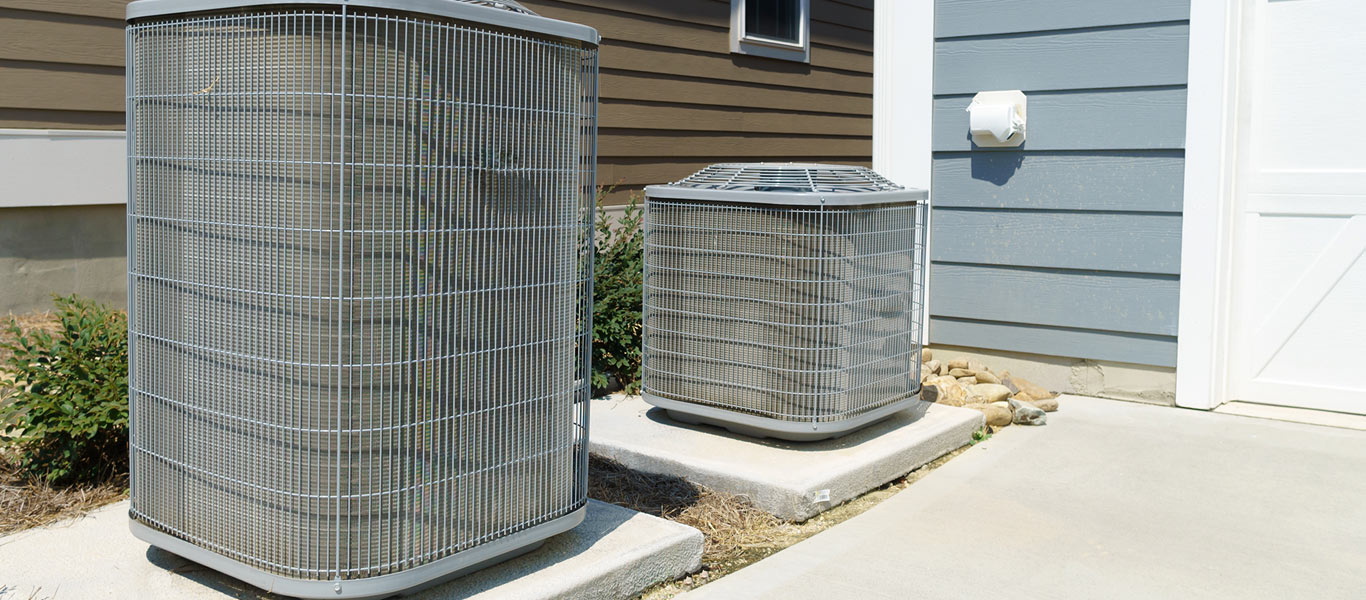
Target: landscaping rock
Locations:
point(986, 377)
point(960, 372)
point(931, 367)
point(948, 393)
point(943, 369)
point(995, 415)
point(992, 392)
point(1045, 404)
point(958, 363)
point(976, 366)
point(1006, 381)
point(1027, 414)
point(926, 356)
point(941, 379)
point(969, 380)
point(1024, 385)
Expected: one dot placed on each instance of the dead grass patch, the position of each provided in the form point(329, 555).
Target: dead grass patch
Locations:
point(737, 533)
point(29, 502)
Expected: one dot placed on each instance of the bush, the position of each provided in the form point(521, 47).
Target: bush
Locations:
point(617, 289)
point(68, 414)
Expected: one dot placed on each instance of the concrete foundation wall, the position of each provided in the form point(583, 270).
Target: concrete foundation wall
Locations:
point(1104, 379)
point(47, 250)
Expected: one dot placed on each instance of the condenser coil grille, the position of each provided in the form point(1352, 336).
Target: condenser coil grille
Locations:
point(801, 319)
point(360, 248)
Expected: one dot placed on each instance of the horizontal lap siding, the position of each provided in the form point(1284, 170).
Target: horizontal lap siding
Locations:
point(1069, 245)
point(61, 64)
point(673, 97)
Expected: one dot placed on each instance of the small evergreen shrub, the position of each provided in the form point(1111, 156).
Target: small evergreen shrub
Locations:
point(67, 417)
point(617, 289)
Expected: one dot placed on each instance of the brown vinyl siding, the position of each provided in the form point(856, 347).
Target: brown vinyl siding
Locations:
point(61, 64)
point(674, 98)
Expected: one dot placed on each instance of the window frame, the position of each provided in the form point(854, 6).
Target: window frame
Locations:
point(740, 43)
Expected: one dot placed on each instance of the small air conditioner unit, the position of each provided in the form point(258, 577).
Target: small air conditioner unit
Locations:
point(783, 300)
point(360, 242)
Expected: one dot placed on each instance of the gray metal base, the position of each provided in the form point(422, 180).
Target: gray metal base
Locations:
point(404, 582)
point(764, 427)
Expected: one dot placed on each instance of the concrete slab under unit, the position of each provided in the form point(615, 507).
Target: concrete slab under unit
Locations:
point(792, 480)
point(615, 553)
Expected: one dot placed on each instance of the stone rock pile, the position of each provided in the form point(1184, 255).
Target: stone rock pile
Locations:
point(1003, 398)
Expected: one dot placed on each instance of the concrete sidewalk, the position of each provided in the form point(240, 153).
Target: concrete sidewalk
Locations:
point(1109, 500)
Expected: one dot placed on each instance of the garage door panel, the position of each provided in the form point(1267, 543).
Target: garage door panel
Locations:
point(1299, 328)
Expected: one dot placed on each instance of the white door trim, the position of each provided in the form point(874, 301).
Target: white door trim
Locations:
point(903, 100)
point(1202, 357)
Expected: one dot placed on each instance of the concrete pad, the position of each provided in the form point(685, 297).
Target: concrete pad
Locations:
point(614, 554)
point(792, 480)
point(1111, 500)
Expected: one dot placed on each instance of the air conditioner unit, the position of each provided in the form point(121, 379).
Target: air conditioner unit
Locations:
point(783, 300)
point(360, 242)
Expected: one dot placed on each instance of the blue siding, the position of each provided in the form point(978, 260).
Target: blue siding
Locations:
point(980, 17)
point(1069, 245)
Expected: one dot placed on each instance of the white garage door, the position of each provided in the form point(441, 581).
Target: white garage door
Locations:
point(1299, 332)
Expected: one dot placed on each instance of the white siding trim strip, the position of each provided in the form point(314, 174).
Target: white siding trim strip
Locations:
point(1206, 233)
point(60, 167)
point(903, 101)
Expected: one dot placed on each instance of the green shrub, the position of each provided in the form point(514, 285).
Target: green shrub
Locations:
point(68, 415)
point(617, 289)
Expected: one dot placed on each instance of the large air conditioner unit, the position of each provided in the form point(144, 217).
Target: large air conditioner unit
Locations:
point(783, 300)
point(360, 246)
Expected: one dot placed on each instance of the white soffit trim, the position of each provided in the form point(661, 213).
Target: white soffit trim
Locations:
point(1207, 213)
point(903, 103)
point(62, 167)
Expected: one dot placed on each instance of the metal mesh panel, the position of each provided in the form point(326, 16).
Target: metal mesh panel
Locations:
point(360, 253)
point(788, 177)
point(798, 314)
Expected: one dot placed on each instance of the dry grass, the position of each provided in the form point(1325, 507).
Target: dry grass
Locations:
point(28, 502)
point(730, 523)
point(737, 533)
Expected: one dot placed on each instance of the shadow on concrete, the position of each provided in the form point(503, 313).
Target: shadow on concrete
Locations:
point(209, 578)
point(600, 521)
point(897, 420)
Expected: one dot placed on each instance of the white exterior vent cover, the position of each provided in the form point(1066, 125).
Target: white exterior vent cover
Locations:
point(783, 300)
point(360, 238)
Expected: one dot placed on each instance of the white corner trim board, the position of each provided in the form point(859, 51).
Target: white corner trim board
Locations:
point(903, 103)
point(62, 167)
point(1202, 359)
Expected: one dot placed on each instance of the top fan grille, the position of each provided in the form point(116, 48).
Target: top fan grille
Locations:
point(790, 177)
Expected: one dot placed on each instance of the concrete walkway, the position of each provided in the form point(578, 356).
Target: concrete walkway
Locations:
point(1109, 500)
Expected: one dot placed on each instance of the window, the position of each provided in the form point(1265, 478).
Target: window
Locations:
point(771, 28)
